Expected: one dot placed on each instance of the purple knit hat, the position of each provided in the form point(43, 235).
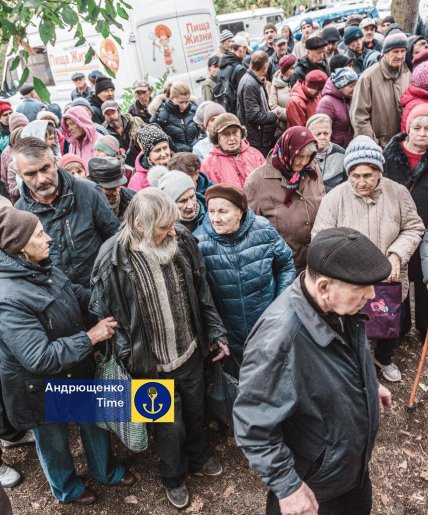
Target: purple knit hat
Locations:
point(420, 75)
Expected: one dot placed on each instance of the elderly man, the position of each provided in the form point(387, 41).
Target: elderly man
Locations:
point(280, 46)
point(376, 109)
point(81, 89)
point(104, 90)
point(30, 105)
point(168, 323)
point(355, 49)
point(124, 127)
point(226, 40)
point(313, 60)
point(73, 212)
point(368, 26)
point(143, 97)
point(109, 174)
point(310, 435)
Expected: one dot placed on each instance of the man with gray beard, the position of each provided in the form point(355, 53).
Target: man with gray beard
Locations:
point(151, 277)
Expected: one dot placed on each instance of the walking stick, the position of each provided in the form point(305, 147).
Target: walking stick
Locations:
point(411, 405)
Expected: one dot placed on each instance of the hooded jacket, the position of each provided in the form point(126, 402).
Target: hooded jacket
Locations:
point(139, 179)
point(42, 336)
point(37, 129)
point(84, 148)
point(336, 106)
point(301, 105)
point(79, 220)
point(412, 97)
point(304, 66)
point(180, 127)
point(221, 167)
point(246, 271)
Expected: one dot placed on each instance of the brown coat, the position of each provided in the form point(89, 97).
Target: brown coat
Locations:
point(265, 189)
point(375, 109)
point(388, 218)
point(278, 95)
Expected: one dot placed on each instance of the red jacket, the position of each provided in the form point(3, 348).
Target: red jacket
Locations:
point(221, 167)
point(412, 97)
point(300, 105)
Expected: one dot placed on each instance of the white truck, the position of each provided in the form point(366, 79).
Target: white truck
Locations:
point(161, 36)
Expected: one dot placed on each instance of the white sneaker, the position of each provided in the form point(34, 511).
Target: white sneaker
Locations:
point(9, 477)
point(390, 372)
point(26, 439)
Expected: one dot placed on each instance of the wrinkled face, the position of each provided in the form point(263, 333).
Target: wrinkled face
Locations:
point(364, 179)
point(112, 195)
point(187, 204)
point(161, 233)
point(302, 159)
point(357, 45)
point(395, 58)
point(307, 30)
point(281, 49)
point(37, 247)
point(322, 133)
point(143, 97)
point(344, 298)
point(4, 118)
point(269, 36)
point(230, 139)
point(182, 101)
point(107, 94)
point(160, 154)
point(418, 133)
point(227, 44)
point(316, 56)
point(225, 217)
point(348, 90)
point(369, 33)
point(75, 130)
point(331, 47)
point(76, 170)
point(79, 83)
point(40, 177)
point(419, 46)
point(112, 118)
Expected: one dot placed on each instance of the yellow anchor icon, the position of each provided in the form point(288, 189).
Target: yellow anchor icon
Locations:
point(152, 393)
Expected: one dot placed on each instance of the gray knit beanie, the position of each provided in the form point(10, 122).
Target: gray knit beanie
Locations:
point(175, 183)
point(363, 150)
point(392, 41)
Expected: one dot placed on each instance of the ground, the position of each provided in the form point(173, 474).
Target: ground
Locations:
point(399, 469)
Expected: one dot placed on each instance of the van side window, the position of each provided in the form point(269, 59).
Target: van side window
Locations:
point(276, 18)
point(233, 26)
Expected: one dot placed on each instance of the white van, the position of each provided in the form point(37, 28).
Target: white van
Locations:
point(250, 21)
point(161, 36)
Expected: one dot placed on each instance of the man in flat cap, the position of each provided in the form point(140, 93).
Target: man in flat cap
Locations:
point(30, 104)
point(308, 407)
point(81, 89)
point(313, 60)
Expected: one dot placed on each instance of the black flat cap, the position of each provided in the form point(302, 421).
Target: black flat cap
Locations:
point(339, 61)
point(78, 75)
point(107, 172)
point(331, 34)
point(346, 254)
point(315, 42)
point(26, 89)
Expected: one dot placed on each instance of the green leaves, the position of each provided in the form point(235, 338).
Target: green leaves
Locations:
point(122, 13)
point(69, 16)
point(47, 32)
point(41, 90)
point(24, 77)
point(89, 55)
point(15, 63)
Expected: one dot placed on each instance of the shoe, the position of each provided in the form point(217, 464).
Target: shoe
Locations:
point(87, 497)
point(211, 468)
point(178, 497)
point(128, 479)
point(9, 477)
point(26, 439)
point(390, 372)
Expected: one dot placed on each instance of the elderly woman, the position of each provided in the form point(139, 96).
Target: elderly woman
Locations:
point(80, 132)
point(329, 155)
point(43, 338)
point(155, 150)
point(248, 263)
point(288, 189)
point(382, 210)
point(231, 159)
point(406, 162)
point(281, 88)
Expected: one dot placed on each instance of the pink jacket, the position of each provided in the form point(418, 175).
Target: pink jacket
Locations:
point(220, 167)
point(85, 148)
point(139, 180)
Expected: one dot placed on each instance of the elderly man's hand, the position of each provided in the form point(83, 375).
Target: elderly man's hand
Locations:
point(396, 268)
point(385, 398)
point(104, 330)
point(302, 502)
point(223, 351)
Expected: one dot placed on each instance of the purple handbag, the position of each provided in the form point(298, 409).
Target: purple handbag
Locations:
point(384, 312)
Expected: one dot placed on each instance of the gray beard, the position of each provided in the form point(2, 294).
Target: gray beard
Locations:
point(163, 253)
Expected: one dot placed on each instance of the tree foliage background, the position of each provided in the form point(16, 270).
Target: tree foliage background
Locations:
point(229, 6)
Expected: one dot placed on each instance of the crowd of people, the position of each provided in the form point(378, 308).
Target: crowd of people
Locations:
point(248, 227)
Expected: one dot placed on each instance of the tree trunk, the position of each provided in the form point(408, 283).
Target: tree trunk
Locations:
point(406, 14)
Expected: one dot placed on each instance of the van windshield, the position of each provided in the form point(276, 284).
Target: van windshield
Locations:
point(233, 26)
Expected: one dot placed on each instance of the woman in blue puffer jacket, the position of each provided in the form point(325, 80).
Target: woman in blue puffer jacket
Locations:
point(248, 263)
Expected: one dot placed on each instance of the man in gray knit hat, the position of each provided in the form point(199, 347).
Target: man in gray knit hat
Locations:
point(226, 40)
point(307, 410)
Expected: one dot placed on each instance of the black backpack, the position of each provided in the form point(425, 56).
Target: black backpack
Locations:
point(224, 92)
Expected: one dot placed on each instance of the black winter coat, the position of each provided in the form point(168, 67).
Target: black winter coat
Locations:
point(254, 113)
point(303, 67)
point(41, 337)
point(78, 222)
point(114, 292)
point(96, 103)
point(180, 127)
point(125, 198)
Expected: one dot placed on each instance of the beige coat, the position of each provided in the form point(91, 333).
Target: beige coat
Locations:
point(4, 202)
point(265, 189)
point(388, 218)
point(375, 109)
point(278, 95)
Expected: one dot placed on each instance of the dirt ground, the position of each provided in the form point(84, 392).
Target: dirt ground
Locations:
point(399, 469)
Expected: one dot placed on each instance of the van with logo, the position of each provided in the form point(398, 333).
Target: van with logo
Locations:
point(161, 37)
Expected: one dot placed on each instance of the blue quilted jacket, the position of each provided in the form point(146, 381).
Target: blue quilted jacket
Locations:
point(246, 271)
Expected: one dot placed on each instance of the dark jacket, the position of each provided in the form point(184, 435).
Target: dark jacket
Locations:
point(268, 49)
point(358, 64)
point(303, 67)
point(233, 69)
point(78, 222)
point(96, 103)
point(273, 66)
point(78, 94)
point(180, 127)
point(42, 336)
point(377, 45)
point(194, 224)
point(138, 110)
point(125, 198)
point(203, 183)
point(424, 256)
point(131, 125)
point(254, 113)
point(115, 293)
point(307, 407)
point(246, 271)
point(30, 107)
